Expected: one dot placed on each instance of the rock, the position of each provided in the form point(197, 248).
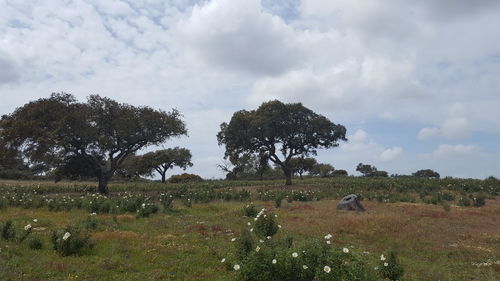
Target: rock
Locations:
point(350, 203)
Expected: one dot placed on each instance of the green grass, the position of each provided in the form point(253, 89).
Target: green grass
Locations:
point(188, 243)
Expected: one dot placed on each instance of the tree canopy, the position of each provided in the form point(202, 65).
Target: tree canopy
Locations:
point(165, 159)
point(279, 131)
point(92, 138)
point(426, 173)
point(301, 165)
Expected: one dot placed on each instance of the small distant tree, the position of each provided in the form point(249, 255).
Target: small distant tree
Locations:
point(165, 159)
point(282, 131)
point(427, 173)
point(322, 170)
point(302, 165)
point(134, 167)
point(340, 173)
point(370, 171)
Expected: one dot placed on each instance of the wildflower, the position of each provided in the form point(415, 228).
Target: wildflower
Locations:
point(234, 239)
point(251, 229)
point(294, 254)
point(223, 260)
point(305, 266)
point(257, 249)
point(236, 267)
point(66, 236)
point(274, 261)
point(328, 236)
point(327, 269)
point(94, 214)
point(376, 268)
point(382, 257)
point(328, 242)
point(279, 225)
point(249, 224)
point(268, 237)
point(27, 227)
point(261, 241)
point(143, 205)
point(386, 264)
point(345, 250)
point(35, 220)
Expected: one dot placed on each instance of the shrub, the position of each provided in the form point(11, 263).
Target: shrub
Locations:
point(479, 200)
point(446, 206)
point(390, 268)
point(464, 201)
point(71, 241)
point(167, 201)
point(27, 231)
point(250, 210)
point(8, 231)
point(266, 225)
point(35, 243)
point(244, 245)
point(147, 209)
point(185, 178)
point(90, 222)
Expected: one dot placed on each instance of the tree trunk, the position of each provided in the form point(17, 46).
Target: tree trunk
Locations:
point(301, 176)
point(163, 177)
point(288, 176)
point(103, 183)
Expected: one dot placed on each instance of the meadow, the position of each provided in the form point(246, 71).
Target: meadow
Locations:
point(440, 229)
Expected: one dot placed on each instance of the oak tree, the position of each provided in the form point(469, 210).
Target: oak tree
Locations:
point(281, 131)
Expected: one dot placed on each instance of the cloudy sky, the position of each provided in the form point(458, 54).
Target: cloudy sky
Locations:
point(416, 83)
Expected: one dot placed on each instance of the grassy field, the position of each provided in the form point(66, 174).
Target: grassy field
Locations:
point(433, 242)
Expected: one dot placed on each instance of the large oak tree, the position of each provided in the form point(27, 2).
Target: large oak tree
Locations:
point(92, 138)
point(281, 131)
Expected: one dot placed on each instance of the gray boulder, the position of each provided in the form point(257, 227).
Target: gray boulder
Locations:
point(350, 203)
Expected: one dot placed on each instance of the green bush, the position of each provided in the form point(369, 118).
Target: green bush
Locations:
point(479, 200)
point(146, 209)
point(250, 210)
point(90, 222)
point(35, 243)
point(464, 201)
point(265, 225)
point(71, 241)
point(8, 231)
point(390, 267)
point(183, 178)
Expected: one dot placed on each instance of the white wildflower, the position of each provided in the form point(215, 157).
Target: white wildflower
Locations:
point(294, 254)
point(251, 229)
point(261, 241)
point(305, 266)
point(386, 264)
point(66, 236)
point(328, 236)
point(279, 225)
point(328, 242)
point(249, 224)
point(274, 261)
point(236, 267)
point(382, 257)
point(268, 237)
point(234, 239)
point(257, 249)
point(345, 250)
point(35, 220)
point(327, 269)
point(223, 260)
point(27, 227)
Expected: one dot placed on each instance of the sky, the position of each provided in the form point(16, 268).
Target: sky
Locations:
point(416, 83)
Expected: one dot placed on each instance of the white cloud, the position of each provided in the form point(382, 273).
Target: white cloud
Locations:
point(456, 126)
point(450, 151)
point(9, 71)
point(239, 35)
point(391, 153)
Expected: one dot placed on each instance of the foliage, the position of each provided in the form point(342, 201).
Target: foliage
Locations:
point(86, 139)
point(250, 210)
point(71, 240)
point(7, 230)
point(427, 173)
point(185, 178)
point(35, 243)
point(390, 267)
point(276, 128)
point(165, 159)
point(302, 165)
point(370, 171)
point(322, 170)
point(339, 173)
